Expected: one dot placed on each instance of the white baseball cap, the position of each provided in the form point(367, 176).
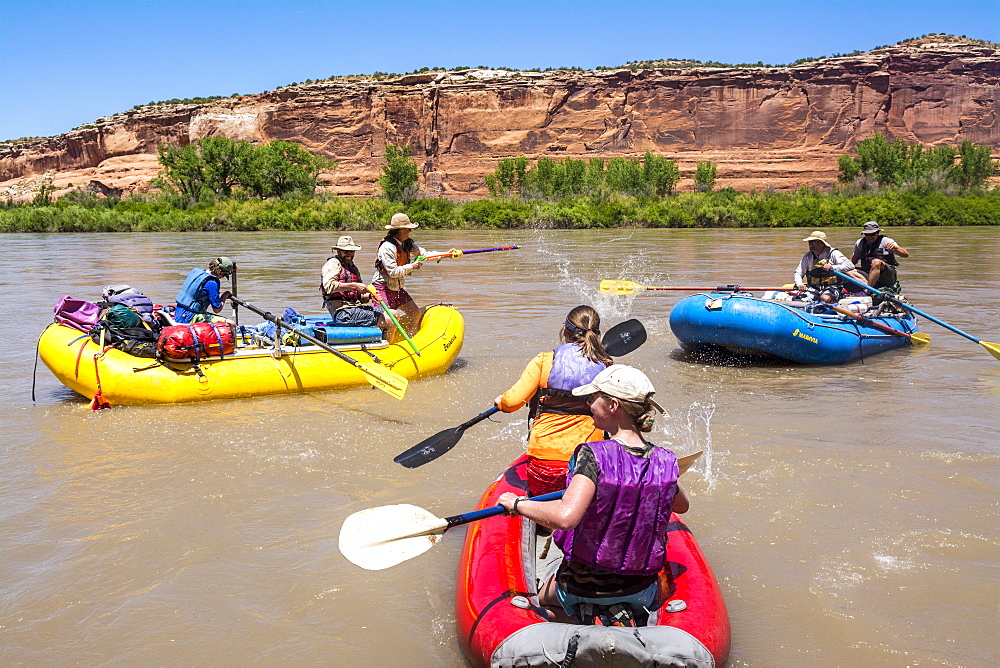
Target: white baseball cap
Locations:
point(622, 382)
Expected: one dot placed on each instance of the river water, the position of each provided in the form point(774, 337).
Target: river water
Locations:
point(850, 513)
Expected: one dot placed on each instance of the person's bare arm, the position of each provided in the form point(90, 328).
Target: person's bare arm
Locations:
point(563, 514)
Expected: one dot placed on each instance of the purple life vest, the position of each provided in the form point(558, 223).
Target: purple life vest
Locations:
point(570, 369)
point(624, 529)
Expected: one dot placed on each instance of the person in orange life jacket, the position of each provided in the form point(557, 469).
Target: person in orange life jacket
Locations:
point(611, 524)
point(877, 255)
point(394, 260)
point(814, 268)
point(201, 291)
point(559, 421)
point(344, 295)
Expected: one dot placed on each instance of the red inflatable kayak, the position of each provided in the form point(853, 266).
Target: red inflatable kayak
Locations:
point(501, 623)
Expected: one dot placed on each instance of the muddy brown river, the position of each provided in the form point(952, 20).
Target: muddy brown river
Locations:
point(850, 513)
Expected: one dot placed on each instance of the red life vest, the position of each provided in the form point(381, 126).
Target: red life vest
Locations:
point(402, 253)
point(349, 273)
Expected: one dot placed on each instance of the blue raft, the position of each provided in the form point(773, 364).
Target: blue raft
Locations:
point(803, 332)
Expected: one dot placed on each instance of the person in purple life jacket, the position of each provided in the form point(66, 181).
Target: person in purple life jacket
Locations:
point(611, 523)
point(200, 291)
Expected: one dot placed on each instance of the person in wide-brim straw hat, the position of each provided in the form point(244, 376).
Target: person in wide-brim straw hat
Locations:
point(395, 259)
point(345, 296)
point(814, 268)
point(401, 221)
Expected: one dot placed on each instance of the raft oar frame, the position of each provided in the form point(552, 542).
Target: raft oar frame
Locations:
point(384, 379)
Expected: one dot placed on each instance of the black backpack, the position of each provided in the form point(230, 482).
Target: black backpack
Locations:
point(123, 328)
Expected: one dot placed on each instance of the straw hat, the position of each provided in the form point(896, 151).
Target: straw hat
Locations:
point(818, 236)
point(400, 221)
point(346, 243)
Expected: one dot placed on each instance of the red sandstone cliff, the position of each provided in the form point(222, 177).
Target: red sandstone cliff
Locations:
point(764, 127)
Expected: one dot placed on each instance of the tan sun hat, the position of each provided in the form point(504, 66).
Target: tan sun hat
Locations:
point(818, 236)
point(401, 221)
point(622, 382)
point(346, 243)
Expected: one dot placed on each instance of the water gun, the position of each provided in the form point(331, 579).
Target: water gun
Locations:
point(454, 252)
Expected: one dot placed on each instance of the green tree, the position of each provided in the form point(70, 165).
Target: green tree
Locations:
point(659, 174)
point(280, 167)
point(509, 178)
point(183, 172)
point(624, 175)
point(398, 180)
point(225, 163)
point(704, 176)
point(974, 166)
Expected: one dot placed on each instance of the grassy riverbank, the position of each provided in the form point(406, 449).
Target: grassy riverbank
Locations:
point(725, 208)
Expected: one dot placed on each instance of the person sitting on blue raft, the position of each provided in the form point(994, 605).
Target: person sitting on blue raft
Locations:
point(201, 291)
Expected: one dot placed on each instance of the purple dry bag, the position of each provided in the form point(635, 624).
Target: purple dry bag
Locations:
point(77, 313)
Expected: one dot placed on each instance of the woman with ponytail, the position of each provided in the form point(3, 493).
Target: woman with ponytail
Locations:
point(558, 420)
point(612, 522)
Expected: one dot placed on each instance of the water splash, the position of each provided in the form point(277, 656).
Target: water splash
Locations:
point(694, 429)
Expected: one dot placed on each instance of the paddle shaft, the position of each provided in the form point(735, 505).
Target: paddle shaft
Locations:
point(388, 312)
point(905, 305)
point(315, 341)
point(236, 307)
point(476, 420)
point(719, 288)
point(683, 463)
point(465, 518)
point(868, 321)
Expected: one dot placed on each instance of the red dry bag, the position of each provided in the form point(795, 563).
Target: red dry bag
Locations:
point(197, 341)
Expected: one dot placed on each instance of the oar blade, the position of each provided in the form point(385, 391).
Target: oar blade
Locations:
point(384, 379)
point(624, 337)
point(379, 538)
point(429, 449)
point(684, 463)
point(620, 288)
point(992, 347)
point(920, 337)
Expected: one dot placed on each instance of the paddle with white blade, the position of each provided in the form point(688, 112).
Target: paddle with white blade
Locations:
point(379, 538)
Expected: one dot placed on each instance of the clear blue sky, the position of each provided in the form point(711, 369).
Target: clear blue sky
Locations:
point(64, 63)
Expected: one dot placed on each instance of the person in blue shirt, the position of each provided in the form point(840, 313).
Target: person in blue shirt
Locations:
point(201, 291)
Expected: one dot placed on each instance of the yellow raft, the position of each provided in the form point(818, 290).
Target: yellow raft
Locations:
point(128, 380)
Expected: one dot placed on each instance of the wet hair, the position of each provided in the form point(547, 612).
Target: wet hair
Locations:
point(583, 327)
point(642, 413)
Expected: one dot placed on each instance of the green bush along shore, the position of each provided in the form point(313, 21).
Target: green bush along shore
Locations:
point(723, 208)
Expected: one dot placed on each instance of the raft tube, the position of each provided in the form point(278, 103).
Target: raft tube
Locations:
point(128, 380)
point(501, 623)
point(748, 325)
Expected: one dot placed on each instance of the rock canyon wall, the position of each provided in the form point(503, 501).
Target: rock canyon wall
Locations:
point(779, 128)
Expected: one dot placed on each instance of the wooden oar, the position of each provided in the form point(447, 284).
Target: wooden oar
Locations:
point(630, 288)
point(388, 313)
point(620, 340)
point(454, 252)
point(379, 538)
point(384, 379)
point(992, 347)
point(915, 337)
